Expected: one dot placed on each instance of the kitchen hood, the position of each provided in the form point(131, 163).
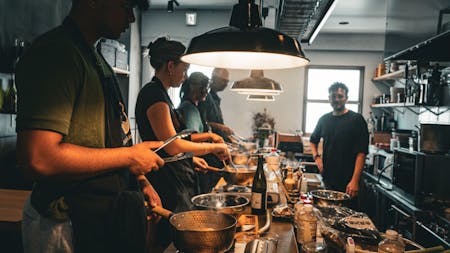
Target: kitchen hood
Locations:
point(433, 49)
point(303, 19)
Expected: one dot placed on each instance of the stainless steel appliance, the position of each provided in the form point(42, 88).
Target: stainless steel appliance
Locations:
point(435, 138)
point(382, 164)
point(421, 177)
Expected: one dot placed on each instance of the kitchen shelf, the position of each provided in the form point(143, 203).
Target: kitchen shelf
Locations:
point(121, 71)
point(399, 74)
point(436, 110)
point(392, 105)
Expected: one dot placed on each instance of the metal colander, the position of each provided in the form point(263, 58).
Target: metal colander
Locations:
point(203, 231)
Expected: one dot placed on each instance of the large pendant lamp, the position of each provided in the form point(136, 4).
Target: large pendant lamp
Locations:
point(245, 44)
point(257, 84)
point(261, 98)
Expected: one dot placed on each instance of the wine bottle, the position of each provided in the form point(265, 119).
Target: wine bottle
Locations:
point(259, 189)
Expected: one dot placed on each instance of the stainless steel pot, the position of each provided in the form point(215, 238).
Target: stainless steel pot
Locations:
point(329, 198)
point(203, 231)
point(239, 176)
point(240, 158)
point(228, 203)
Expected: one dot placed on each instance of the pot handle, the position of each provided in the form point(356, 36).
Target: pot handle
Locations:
point(159, 210)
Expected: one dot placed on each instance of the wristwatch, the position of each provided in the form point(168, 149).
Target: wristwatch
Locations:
point(317, 156)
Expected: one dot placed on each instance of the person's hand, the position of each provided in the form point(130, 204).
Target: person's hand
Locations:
point(143, 159)
point(352, 188)
point(226, 130)
point(151, 196)
point(216, 138)
point(222, 151)
point(200, 164)
point(319, 164)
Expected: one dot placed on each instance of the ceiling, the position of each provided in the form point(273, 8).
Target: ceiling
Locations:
point(364, 16)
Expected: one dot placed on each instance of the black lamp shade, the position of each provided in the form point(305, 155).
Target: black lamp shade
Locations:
point(254, 48)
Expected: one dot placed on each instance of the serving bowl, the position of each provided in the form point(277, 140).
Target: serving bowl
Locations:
point(329, 198)
point(228, 203)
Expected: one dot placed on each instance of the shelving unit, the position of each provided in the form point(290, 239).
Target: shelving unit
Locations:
point(416, 109)
point(387, 105)
point(393, 75)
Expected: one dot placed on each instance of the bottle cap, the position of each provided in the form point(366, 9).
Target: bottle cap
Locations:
point(391, 234)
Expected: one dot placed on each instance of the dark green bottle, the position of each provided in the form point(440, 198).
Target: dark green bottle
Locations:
point(259, 189)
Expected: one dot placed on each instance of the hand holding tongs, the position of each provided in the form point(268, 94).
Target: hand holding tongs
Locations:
point(183, 134)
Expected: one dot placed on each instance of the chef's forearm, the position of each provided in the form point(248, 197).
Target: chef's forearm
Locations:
point(359, 165)
point(314, 150)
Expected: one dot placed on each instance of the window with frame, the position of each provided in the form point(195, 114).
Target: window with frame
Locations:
point(318, 80)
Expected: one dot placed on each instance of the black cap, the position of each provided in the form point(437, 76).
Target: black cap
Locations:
point(142, 4)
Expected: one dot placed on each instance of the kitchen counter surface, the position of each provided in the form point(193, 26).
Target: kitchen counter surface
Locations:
point(11, 206)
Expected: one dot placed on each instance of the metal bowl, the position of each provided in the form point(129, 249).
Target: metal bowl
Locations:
point(329, 198)
point(248, 146)
point(203, 231)
point(239, 176)
point(240, 158)
point(228, 203)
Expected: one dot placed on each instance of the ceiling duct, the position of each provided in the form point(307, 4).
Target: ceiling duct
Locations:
point(303, 19)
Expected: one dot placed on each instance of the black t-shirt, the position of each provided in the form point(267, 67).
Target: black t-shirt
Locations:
point(152, 93)
point(344, 137)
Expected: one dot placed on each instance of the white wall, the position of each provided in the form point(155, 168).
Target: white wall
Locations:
point(364, 50)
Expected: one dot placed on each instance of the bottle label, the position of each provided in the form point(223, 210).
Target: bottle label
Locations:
point(257, 200)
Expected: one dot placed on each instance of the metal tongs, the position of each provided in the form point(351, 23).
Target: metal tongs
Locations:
point(236, 138)
point(183, 134)
point(178, 157)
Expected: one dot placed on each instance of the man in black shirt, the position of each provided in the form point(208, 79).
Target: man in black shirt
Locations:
point(210, 108)
point(345, 143)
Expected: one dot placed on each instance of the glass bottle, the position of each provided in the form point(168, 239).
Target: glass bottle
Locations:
point(289, 182)
point(392, 244)
point(306, 229)
point(259, 189)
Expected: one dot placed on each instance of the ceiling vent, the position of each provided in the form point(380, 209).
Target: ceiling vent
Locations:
point(303, 19)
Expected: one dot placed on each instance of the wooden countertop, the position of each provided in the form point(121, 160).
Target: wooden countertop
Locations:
point(11, 206)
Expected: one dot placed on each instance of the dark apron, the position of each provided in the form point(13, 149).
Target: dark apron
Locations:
point(176, 183)
point(106, 216)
